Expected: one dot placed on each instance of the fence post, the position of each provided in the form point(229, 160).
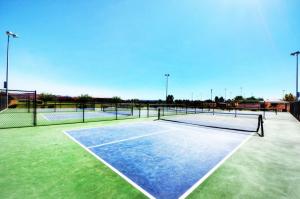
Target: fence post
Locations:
point(34, 109)
point(139, 111)
point(83, 115)
point(147, 110)
point(158, 114)
point(28, 103)
point(131, 109)
point(116, 108)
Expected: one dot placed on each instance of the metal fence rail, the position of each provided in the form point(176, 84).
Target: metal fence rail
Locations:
point(23, 109)
point(18, 108)
point(295, 110)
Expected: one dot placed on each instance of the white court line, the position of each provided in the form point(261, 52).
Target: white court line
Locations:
point(43, 116)
point(190, 128)
point(128, 139)
point(121, 123)
point(190, 190)
point(112, 168)
point(4, 110)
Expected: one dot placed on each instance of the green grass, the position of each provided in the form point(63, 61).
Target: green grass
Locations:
point(42, 162)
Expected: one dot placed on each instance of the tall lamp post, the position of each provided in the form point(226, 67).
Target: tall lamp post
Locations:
point(241, 91)
point(167, 84)
point(211, 91)
point(9, 34)
point(283, 93)
point(296, 54)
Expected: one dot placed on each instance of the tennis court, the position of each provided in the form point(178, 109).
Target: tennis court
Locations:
point(55, 116)
point(164, 159)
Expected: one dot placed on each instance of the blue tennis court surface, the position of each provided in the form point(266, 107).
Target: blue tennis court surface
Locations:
point(163, 160)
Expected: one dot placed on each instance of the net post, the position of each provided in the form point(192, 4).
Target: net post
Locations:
point(158, 114)
point(34, 109)
point(163, 110)
point(264, 113)
point(260, 120)
point(235, 112)
point(213, 110)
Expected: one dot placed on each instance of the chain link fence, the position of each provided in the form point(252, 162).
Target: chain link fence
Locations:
point(295, 110)
point(21, 109)
point(18, 108)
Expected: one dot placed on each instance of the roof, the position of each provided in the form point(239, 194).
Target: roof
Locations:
point(278, 101)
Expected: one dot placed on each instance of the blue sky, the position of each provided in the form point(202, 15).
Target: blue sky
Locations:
point(124, 47)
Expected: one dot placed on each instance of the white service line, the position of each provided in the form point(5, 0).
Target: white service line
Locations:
point(112, 168)
point(190, 190)
point(128, 139)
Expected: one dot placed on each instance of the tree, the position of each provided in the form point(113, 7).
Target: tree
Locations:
point(83, 98)
point(289, 97)
point(251, 98)
point(136, 101)
point(221, 99)
point(116, 99)
point(46, 97)
point(216, 99)
point(170, 99)
point(238, 98)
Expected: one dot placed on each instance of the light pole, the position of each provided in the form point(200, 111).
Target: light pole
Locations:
point(167, 83)
point(9, 34)
point(211, 91)
point(283, 92)
point(296, 54)
point(241, 91)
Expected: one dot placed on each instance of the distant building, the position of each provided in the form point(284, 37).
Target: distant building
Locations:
point(279, 105)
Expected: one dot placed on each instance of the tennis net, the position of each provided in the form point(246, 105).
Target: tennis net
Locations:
point(235, 122)
point(119, 111)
